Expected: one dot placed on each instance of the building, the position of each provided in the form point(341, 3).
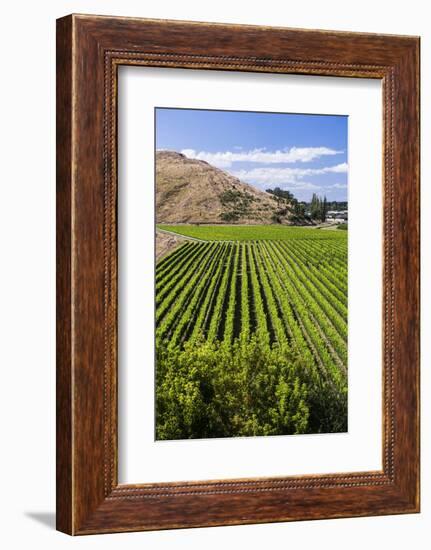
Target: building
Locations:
point(337, 216)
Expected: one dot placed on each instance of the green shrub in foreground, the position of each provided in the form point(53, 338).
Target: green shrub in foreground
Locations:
point(225, 390)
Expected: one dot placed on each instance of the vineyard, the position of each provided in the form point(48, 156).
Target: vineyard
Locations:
point(248, 232)
point(251, 333)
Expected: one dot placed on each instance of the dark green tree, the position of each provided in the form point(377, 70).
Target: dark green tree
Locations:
point(324, 209)
point(315, 207)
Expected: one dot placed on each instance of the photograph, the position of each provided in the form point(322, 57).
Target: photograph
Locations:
point(251, 276)
point(215, 293)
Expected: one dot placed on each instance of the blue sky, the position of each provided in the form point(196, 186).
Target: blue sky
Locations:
point(304, 154)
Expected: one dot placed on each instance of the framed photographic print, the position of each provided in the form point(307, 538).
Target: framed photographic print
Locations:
point(237, 274)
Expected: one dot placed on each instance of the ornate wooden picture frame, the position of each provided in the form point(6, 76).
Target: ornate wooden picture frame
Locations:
point(89, 51)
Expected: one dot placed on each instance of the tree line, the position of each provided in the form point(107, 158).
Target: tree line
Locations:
point(317, 209)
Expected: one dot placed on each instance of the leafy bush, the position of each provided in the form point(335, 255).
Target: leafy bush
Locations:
point(237, 204)
point(231, 216)
point(236, 198)
point(226, 390)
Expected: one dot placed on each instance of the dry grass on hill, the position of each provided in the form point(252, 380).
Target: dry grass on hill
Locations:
point(193, 191)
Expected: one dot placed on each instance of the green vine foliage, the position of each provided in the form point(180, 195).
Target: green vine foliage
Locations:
point(251, 336)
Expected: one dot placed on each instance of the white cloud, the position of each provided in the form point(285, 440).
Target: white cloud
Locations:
point(285, 175)
point(338, 186)
point(303, 185)
point(287, 156)
point(343, 167)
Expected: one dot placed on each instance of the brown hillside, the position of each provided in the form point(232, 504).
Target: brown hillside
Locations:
point(167, 243)
point(193, 191)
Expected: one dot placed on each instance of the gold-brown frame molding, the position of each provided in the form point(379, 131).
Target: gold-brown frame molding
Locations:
point(89, 51)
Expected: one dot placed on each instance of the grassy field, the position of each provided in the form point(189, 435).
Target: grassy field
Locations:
point(251, 333)
point(251, 232)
